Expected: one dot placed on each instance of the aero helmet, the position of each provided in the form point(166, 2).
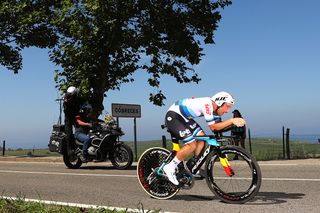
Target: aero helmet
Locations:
point(221, 98)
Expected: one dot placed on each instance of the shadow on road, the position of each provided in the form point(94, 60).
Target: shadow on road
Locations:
point(262, 198)
point(103, 167)
point(265, 198)
point(193, 198)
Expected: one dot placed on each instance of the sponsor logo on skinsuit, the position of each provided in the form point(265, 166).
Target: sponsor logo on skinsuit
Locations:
point(208, 111)
point(184, 133)
point(193, 126)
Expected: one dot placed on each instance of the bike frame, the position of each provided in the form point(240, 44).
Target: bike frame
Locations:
point(213, 145)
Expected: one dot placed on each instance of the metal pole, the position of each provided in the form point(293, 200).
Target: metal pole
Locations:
point(60, 110)
point(118, 126)
point(287, 143)
point(250, 141)
point(135, 139)
point(164, 141)
point(4, 148)
point(283, 144)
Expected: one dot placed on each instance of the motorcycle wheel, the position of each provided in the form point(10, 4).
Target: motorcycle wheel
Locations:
point(122, 156)
point(71, 160)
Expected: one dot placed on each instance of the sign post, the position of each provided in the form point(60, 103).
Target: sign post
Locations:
point(3, 148)
point(128, 111)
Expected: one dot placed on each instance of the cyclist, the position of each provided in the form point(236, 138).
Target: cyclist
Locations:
point(182, 126)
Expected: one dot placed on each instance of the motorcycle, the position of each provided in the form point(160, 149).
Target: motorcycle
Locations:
point(104, 145)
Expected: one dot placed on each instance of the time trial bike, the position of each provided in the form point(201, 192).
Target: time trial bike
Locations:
point(231, 173)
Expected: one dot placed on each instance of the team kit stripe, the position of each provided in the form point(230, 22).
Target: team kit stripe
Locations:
point(191, 138)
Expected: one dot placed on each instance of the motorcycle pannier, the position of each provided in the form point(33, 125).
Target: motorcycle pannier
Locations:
point(56, 138)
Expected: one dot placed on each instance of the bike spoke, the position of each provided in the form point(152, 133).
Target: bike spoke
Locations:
point(239, 187)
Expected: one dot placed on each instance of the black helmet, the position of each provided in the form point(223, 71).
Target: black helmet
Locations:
point(236, 114)
point(85, 108)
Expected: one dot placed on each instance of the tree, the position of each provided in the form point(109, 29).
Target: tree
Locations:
point(99, 44)
point(23, 23)
point(103, 42)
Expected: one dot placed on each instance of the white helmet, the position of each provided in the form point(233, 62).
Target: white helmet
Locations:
point(72, 90)
point(222, 97)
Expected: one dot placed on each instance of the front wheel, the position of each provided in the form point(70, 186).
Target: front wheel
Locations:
point(239, 186)
point(149, 176)
point(122, 156)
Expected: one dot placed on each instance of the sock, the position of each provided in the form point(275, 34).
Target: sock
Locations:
point(174, 163)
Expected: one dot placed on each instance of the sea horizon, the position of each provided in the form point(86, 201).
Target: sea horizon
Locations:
point(310, 138)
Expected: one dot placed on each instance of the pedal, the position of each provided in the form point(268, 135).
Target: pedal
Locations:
point(186, 180)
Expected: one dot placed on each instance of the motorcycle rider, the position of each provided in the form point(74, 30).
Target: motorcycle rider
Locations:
point(71, 107)
point(180, 124)
point(83, 126)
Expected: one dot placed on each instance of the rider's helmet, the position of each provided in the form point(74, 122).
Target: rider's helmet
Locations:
point(85, 108)
point(222, 97)
point(72, 91)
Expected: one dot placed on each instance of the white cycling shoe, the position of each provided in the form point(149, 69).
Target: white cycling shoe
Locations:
point(171, 174)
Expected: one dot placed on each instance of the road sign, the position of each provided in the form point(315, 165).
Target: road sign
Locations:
point(126, 110)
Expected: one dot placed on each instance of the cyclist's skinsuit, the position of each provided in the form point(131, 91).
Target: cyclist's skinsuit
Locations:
point(179, 117)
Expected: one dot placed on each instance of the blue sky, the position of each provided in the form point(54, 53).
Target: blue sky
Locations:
point(267, 54)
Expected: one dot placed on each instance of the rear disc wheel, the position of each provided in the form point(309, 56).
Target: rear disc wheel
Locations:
point(155, 185)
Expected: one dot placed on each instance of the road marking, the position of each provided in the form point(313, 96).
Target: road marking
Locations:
point(270, 179)
point(134, 176)
point(291, 179)
point(77, 205)
point(277, 164)
point(71, 174)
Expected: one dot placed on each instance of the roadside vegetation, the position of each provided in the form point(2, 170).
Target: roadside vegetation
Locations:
point(29, 152)
point(272, 149)
point(22, 206)
point(261, 148)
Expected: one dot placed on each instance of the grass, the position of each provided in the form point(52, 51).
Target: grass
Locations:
point(30, 152)
point(262, 149)
point(272, 149)
point(22, 206)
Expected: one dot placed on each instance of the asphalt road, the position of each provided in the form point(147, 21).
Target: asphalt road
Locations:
point(287, 186)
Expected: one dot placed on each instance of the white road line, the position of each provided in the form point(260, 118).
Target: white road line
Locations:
point(291, 179)
point(277, 164)
point(134, 176)
point(71, 174)
point(272, 179)
point(77, 205)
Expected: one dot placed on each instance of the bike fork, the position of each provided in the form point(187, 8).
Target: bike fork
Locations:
point(226, 165)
